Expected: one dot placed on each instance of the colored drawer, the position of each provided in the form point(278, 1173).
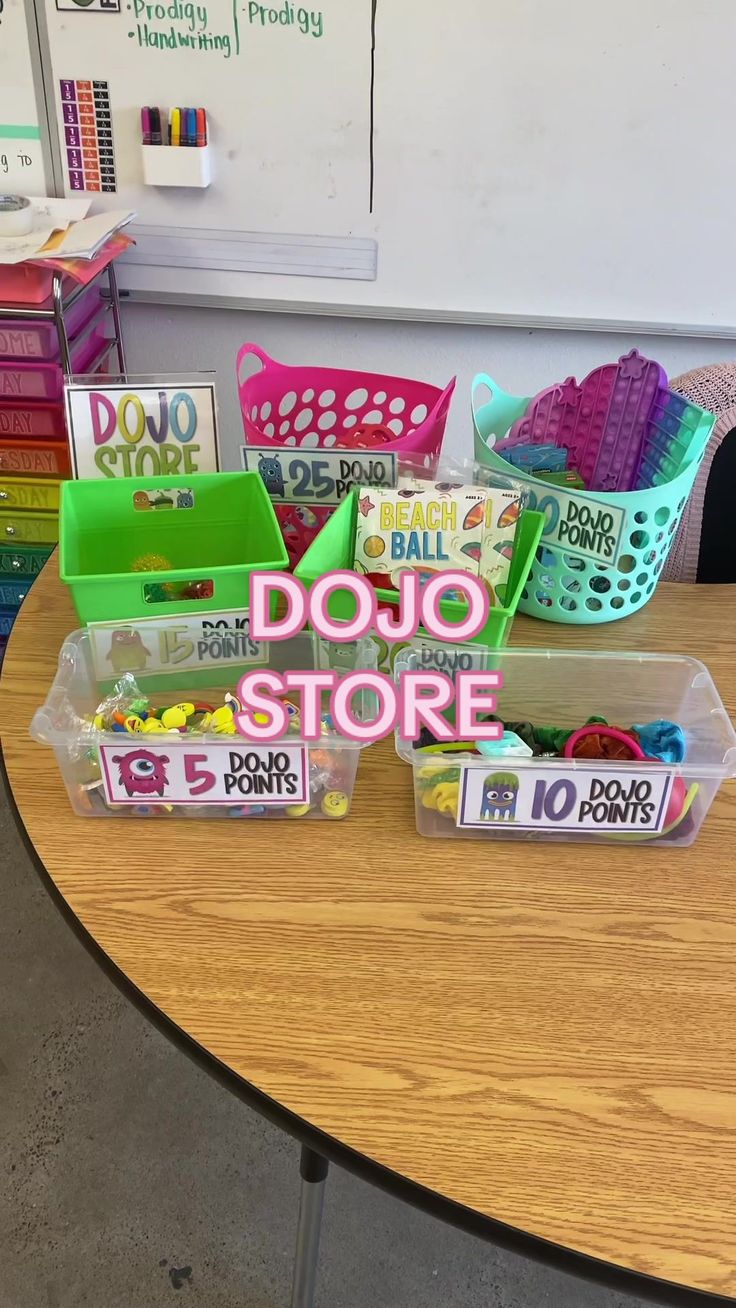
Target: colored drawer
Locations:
point(32, 494)
point(35, 459)
point(29, 527)
point(28, 341)
point(44, 421)
point(45, 381)
point(7, 618)
point(23, 560)
point(12, 593)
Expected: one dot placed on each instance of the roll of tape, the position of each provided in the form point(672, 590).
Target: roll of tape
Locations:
point(16, 215)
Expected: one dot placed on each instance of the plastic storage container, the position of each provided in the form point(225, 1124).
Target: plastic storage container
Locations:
point(21, 527)
point(19, 421)
point(626, 535)
point(196, 775)
point(26, 340)
point(572, 799)
point(334, 548)
point(31, 493)
point(203, 534)
point(45, 381)
point(22, 561)
point(35, 458)
point(325, 408)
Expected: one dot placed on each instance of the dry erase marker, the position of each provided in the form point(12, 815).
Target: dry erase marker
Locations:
point(156, 127)
point(146, 126)
point(201, 127)
point(175, 127)
point(191, 127)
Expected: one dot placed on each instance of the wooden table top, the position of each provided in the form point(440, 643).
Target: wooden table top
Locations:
point(547, 1038)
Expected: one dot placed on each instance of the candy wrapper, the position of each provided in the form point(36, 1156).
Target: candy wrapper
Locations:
point(434, 527)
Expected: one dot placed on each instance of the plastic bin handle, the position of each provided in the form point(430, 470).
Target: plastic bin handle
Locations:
point(506, 408)
point(251, 348)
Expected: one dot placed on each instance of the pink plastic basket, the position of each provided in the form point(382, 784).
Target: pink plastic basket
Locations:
point(319, 408)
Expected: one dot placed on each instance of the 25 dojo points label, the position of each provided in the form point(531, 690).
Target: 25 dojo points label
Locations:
point(90, 157)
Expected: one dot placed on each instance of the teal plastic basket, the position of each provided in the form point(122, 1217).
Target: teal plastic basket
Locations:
point(601, 553)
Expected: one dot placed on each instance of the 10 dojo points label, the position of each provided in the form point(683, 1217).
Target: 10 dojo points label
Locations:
point(508, 794)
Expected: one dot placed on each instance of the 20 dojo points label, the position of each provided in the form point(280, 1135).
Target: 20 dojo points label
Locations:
point(553, 799)
point(580, 525)
point(227, 773)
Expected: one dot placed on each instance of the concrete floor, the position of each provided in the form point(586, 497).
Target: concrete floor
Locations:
point(132, 1180)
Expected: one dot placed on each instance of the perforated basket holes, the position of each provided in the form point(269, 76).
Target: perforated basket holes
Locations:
point(571, 588)
point(322, 418)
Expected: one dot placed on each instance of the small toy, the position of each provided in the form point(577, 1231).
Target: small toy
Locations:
point(151, 563)
point(298, 810)
point(538, 458)
point(509, 746)
point(335, 804)
point(430, 527)
point(663, 740)
point(596, 740)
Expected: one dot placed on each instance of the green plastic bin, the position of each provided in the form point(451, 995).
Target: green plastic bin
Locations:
point(334, 548)
point(218, 528)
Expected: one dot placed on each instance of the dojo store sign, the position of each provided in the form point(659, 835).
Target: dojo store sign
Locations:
point(170, 773)
point(142, 429)
point(552, 799)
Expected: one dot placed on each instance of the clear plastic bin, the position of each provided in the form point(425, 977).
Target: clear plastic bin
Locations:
point(512, 798)
point(195, 774)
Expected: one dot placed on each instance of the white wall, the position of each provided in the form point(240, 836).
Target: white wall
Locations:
point(161, 339)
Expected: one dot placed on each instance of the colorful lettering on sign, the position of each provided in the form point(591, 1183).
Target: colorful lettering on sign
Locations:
point(586, 799)
point(205, 774)
point(317, 476)
point(142, 430)
point(582, 526)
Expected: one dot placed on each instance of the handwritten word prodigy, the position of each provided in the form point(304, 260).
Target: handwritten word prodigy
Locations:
point(310, 22)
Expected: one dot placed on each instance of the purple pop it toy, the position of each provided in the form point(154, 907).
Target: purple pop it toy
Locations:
point(603, 422)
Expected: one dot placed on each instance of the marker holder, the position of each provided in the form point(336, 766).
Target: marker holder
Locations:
point(177, 165)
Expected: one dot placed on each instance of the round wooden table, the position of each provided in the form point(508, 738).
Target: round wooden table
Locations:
point(535, 1043)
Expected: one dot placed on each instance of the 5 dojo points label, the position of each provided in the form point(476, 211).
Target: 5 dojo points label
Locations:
point(554, 799)
point(227, 773)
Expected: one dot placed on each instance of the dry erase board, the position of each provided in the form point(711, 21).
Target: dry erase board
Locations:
point(469, 160)
point(21, 158)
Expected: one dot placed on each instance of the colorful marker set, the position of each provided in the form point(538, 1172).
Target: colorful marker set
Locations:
point(186, 127)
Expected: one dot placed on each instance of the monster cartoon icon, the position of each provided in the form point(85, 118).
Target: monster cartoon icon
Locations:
point(272, 474)
point(127, 651)
point(184, 499)
point(500, 793)
point(141, 772)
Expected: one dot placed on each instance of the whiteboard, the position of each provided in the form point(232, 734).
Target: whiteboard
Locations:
point(477, 161)
point(22, 170)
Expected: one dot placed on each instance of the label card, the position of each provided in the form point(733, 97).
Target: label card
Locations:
point(326, 477)
point(141, 428)
point(557, 799)
point(231, 772)
point(579, 525)
point(178, 644)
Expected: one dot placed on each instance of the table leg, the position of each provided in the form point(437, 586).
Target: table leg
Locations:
point(313, 1168)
